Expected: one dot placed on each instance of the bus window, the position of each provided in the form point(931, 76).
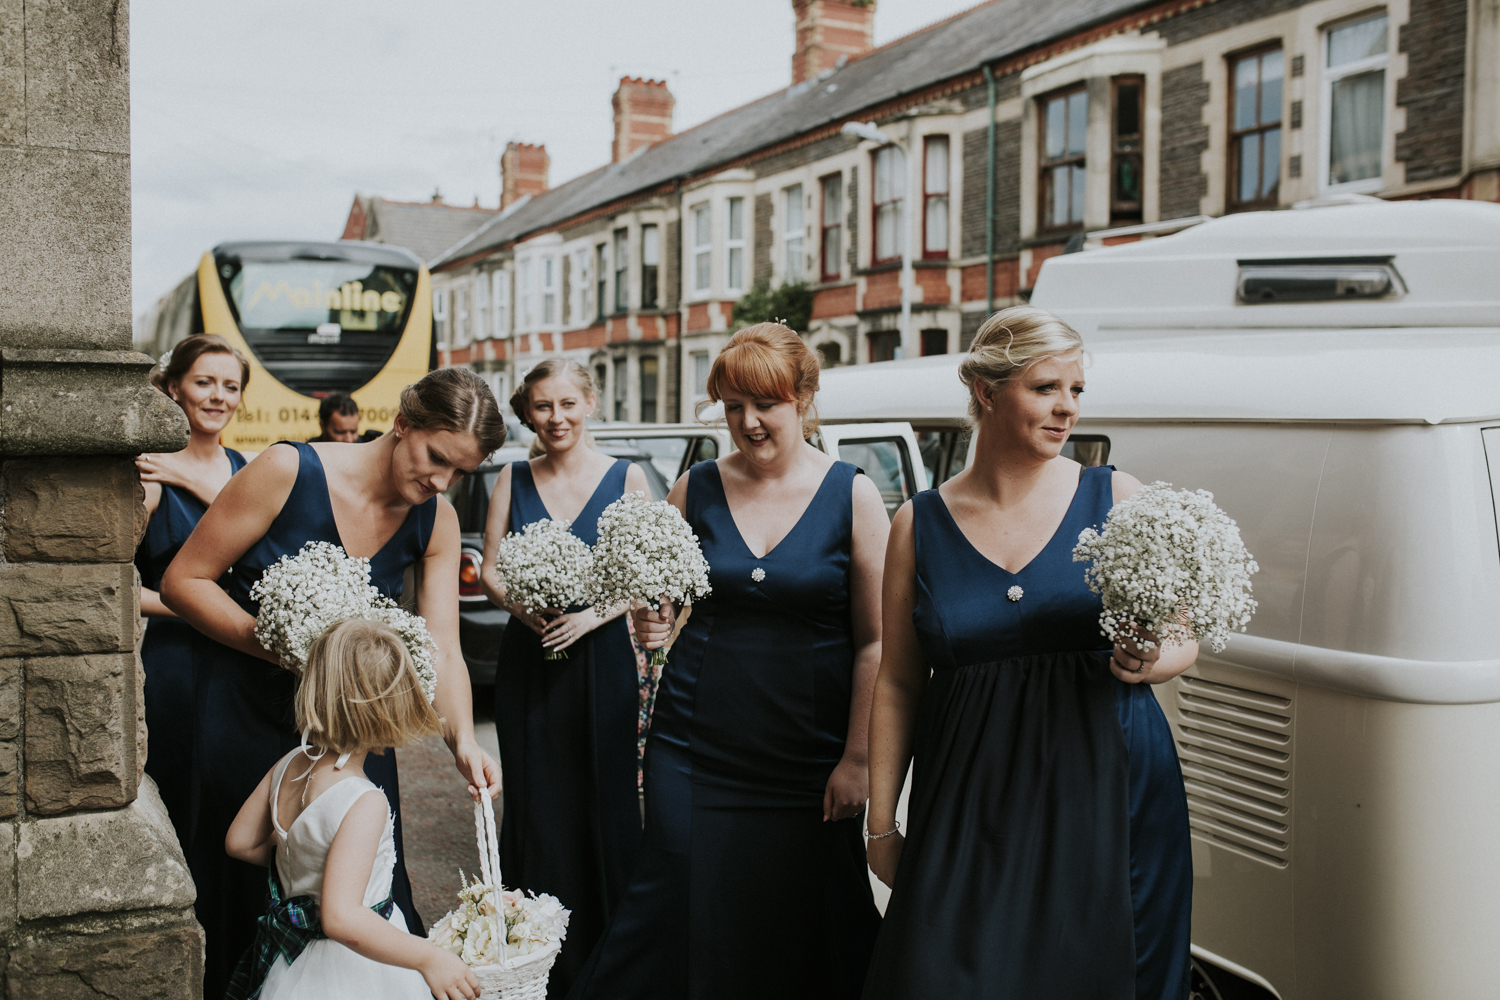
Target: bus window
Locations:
point(319, 326)
point(1087, 449)
point(884, 460)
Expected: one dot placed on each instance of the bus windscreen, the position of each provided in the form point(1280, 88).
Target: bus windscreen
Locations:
point(319, 326)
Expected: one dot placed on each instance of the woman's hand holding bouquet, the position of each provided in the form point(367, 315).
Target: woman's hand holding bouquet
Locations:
point(545, 569)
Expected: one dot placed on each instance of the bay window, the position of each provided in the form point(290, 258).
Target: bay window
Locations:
point(500, 299)
point(1255, 129)
point(549, 291)
point(889, 165)
point(831, 242)
point(601, 277)
point(734, 247)
point(1355, 56)
point(793, 230)
point(702, 249)
point(1063, 123)
point(1128, 93)
point(650, 264)
point(622, 266)
point(935, 197)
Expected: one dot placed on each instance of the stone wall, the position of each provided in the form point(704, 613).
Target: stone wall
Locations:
point(1184, 137)
point(95, 900)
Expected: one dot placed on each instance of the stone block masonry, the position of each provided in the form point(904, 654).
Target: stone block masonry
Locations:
point(95, 898)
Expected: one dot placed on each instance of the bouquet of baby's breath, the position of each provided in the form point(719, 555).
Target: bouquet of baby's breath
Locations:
point(1169, 563)
point(646, 552)
point(545, 566)
point(302, 595)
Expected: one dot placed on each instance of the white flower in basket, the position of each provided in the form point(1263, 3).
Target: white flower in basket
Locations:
point(301, 595)
point(509, 938)
point(545, 566)
point(646, 551)
point(1169, 563)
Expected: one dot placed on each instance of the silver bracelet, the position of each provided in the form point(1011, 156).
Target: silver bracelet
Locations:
point(882, 836)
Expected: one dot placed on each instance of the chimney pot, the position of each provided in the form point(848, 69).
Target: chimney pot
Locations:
point(829, 34)
point(523, 171)
point(643, 115)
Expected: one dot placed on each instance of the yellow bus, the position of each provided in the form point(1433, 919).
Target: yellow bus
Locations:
point(313, 318)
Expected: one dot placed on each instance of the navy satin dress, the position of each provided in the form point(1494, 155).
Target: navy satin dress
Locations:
point(567, 728)
point(246, 722)
point(741, 889)
point(1047, 853)
point(167, 657)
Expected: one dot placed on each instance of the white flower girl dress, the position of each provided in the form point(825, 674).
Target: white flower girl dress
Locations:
point(327, 969)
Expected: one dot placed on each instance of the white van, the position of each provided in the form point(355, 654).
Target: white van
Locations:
point(1333, 377)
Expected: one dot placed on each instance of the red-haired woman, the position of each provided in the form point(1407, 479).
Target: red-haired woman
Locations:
point(751, 880)
point(206, 377)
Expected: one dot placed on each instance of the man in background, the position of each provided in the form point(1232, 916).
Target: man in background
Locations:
point(338, 415)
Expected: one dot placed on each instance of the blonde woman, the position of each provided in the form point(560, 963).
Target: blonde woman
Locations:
point(567, 726)
point(1047, 854)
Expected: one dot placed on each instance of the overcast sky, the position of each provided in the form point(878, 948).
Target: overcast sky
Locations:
point(260, 119)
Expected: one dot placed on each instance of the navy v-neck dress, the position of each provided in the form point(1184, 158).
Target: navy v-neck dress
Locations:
point(246, 722)
point(741, 889)
point(1047, 850)
point(167, 658)
point(567, 729)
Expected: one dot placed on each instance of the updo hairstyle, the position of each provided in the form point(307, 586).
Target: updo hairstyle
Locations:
point(360, 690)
point(180, 359)
point(520, 400)
point(767, 361)
point(1010, 342)
point(455, 399)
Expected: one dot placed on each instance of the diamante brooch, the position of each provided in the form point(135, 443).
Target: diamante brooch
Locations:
point(757, 574)
point(1015, 593)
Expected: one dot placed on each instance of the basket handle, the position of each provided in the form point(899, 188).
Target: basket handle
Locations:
point(489, 858)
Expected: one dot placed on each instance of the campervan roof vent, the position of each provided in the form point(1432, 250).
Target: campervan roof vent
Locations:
point(1318, 279)
point(1235, 744)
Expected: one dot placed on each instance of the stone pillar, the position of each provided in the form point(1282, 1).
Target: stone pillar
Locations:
point(95, 899)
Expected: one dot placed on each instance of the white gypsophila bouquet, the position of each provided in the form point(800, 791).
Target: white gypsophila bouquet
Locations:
point(302, 595)
point(545, 566)
point(646, 552)
point(1169, 563)
point(472, 931)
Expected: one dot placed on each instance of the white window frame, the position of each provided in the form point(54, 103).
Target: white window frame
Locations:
point(578, 297)
point(703, 247)
point(734, 243)
point(790, 233)
point(525, 292)
point(460, 317)
point(500, 303)
point(481, 315)
point(549, 265)
point(440, 317)
point(1330, 76)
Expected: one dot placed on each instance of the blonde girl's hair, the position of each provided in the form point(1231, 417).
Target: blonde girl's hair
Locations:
point(1010, 342)
point(360, 691)
point(520, 400)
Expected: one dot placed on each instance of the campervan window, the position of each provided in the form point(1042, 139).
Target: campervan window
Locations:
point(1087, 449)
point(884, 461)
point(944, 452)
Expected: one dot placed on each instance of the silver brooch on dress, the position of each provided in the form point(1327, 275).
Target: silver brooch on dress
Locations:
point(1015, 593)
point(757, 574)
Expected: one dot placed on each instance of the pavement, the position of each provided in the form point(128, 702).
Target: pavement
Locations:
point(437, 815)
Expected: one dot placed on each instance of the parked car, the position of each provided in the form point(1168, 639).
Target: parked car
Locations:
point(1331, 376)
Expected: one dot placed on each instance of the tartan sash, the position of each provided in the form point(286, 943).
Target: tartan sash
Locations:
point(288, 927)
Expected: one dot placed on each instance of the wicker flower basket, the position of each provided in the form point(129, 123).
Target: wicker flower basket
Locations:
point(523, 978)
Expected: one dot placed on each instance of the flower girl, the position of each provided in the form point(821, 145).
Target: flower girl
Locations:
point(331, 930)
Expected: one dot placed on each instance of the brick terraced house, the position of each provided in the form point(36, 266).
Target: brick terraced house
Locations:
point(1056, 121)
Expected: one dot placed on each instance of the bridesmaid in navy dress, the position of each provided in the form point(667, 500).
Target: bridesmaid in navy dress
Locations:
point(1047, 853)
point(752, 881)
point(206, 377)
point(378, 500)
point(567, 727)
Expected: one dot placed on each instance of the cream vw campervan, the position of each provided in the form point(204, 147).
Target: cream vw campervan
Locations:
point(1333, 377)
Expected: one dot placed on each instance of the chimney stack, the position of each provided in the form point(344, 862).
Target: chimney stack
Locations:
point(523, 170)
point(643, 115)
point(828, 30)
